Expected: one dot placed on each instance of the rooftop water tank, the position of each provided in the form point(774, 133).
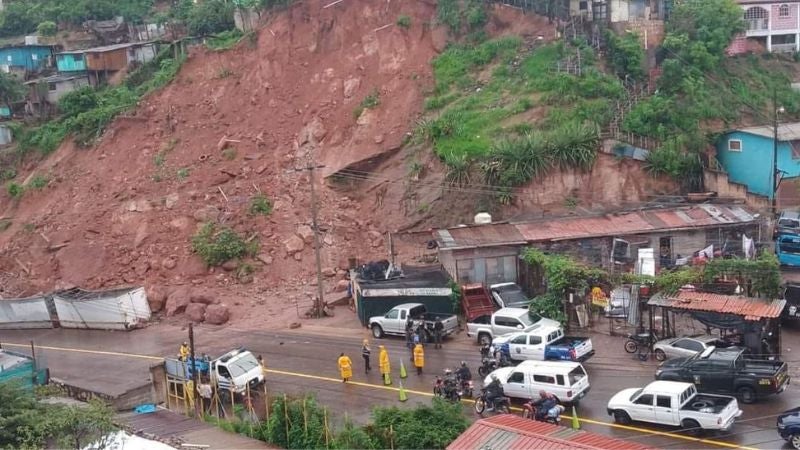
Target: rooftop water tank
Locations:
point(483, 218)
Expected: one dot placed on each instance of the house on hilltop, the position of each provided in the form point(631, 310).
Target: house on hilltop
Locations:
point(746, 154)
point(26, 58)
point(771, 25)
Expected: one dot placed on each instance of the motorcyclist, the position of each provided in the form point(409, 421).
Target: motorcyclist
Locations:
point(485, 350)
point(544, 404)
point(463, 372)
point(494, 390)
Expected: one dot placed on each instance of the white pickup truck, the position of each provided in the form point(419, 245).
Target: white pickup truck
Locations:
point(504, 321)
point(674, 403)
point(568, 381)
point(543, 342)
point(394, 321)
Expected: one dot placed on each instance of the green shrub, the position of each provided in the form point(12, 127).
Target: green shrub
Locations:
point(448, 13)
point(260, 204)
point(413, 428)
point(182, 173)
point(15, 190)
point(404, 21)
point(47, 28)
point(217, 246)
point(224, 40)
point(5, 224)
point(209, 17)
point(8, 174)
point(38, 182)
point(369, 102)
point(229, 154)
point(300, 423)
point(626, 54)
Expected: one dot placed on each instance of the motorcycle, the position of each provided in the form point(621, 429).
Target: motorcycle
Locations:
point(488, 365)
point(446, 387)
point(465, 388)
point(642, 339)
point(502, 405)
point(530, 410)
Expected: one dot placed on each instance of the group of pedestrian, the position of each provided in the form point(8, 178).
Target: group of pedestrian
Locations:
point(346, 365)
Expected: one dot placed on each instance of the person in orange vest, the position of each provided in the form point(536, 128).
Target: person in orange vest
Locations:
point(345, 367)
point(419, 358)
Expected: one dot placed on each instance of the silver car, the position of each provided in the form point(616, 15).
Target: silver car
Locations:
point(683, 347)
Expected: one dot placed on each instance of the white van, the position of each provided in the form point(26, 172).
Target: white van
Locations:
point(568, 381)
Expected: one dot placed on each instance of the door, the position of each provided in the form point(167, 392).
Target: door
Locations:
point(392, 322)
point(535, 349)
point(642, 408)
point(505, 325)
point(665, 252)
point(665, 411)
point(711, 376)
point(515, 386)
point(517, 347)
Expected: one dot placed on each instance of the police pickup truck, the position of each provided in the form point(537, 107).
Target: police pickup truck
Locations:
point(543, 342)
point(727, 371)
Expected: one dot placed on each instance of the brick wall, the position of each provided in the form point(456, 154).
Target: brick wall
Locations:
point(738, 45)
point(788, 22)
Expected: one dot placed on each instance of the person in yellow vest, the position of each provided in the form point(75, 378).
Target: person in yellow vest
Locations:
point(262, 366)
point(345, 367)
point(419, 358)
point(383, 361)
point(183, 352)
point(190, 393)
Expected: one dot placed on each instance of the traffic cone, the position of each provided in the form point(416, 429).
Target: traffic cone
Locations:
point(386, 380)
point(403, 373)
point(576, 424)
point(403, 396)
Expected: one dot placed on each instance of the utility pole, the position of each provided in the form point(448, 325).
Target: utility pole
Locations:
point(194, 363)
point(774, 183)
point(319, 302)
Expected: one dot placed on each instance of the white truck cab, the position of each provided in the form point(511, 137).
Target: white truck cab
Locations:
point(568, 381)
point(504, 321)
point(236, 369)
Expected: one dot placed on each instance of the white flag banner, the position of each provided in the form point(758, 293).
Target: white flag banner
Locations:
point(708, 252)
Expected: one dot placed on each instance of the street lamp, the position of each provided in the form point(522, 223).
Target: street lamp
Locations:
point(778, 110)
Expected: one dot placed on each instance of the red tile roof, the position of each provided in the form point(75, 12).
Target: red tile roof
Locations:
point(508, 431)
point(582, 227)
point(749, 308)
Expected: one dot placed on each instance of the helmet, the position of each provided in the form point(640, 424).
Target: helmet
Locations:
point(448, 371)
point(463, 364)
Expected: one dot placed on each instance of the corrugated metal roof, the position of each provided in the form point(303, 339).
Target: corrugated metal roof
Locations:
point(508, 431)
point(56, 79)
point(786, 131)
point(105, 48)
point(480, 235)
point(582, 227)
point(747, 307)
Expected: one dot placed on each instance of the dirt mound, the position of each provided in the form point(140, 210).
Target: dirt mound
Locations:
point(325, 86)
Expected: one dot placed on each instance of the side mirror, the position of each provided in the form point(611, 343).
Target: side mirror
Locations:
point(520, 327)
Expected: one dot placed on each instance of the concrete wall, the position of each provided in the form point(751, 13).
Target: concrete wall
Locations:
point(114, 310)
point(24, 313)
point(488, 265)
point(62, 88)
point(6, 137)
point(716, 181)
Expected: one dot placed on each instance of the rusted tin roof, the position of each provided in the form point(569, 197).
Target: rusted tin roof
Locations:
point(508, 431)
point(582, 227)
point(747, 307)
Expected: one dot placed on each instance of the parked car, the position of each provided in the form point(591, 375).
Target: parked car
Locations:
point(684, 347)
point(394, 321)
point(568, 381)
point(509, 295)
point(789, 427)
point(674, 403)
point(726, 371)
point(504, 321)
point(543, 342)
point(791, 293)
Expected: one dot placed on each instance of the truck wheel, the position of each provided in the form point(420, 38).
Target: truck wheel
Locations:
point(621, 417)
point(377, 331)
point(747, 394)
point(660, 355)
point(691, 426)
point(795, 441)
point(484, 339)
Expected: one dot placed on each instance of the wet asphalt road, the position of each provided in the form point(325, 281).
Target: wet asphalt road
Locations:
point(306, 361)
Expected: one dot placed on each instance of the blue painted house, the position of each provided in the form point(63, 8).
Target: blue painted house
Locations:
point(746, 155)
point(71, 61)
point(31, 58)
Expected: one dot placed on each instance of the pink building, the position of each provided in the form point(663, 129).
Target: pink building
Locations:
point(776, 26)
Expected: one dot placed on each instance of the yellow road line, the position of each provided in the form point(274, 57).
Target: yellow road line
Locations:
point(411, 391)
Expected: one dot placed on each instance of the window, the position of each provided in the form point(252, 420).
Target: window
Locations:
point(734, 145)
point(783, 10)
point(646, 399)
point(756, 13)
point(664, 401)
point(392, 314)
point(576, 375)
point(583, 5)
point(34, 57)
point(521, 339)
point(544, 379)
point(560, 379)
point(506, 322)
point(402, 315)
point(517, 377)
point(51, 86)
point(688, 344)
point(554, 335)
point(794, 145)
point(535, 340)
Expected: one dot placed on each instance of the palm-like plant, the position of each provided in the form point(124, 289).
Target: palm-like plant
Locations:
point(574, 145)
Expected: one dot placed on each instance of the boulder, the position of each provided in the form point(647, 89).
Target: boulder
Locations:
point(196, 312)
point(170, 200)
point(294, 245)
point(329, 272)
point(265, 258)
point(178, 300)
point(203, 298)
point(351, 85)
point(217, 314)
point(168, 263)
point(341, 285)
point(207, 213)
point(141, 234)
point(156, 296)
point(306, 233)
point(230, 265)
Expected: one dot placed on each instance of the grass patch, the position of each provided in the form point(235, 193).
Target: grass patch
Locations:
point(404, 21)
point(223, 72)
point(225, 40)
point(182, 173)
point(15, 190)
point(215, 246)
point(38, 182)
point(8, 174)
point(260, 205)
point(369, 102)
point(229, 154)
point(5, 224)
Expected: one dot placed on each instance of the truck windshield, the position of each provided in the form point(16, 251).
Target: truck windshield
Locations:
point(576, 375)
point(530, 319)
point(243, 365)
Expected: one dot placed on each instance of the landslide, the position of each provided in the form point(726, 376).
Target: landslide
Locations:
point(329, 87)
